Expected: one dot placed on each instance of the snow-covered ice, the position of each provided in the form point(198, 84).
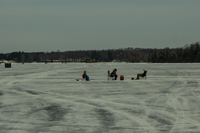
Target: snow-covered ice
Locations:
point(45, 98)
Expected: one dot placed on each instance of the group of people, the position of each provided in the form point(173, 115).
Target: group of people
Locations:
point(114, 75)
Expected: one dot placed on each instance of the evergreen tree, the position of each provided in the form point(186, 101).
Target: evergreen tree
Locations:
point(110, 57)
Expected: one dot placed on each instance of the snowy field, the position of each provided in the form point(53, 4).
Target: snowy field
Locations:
point(45, 98)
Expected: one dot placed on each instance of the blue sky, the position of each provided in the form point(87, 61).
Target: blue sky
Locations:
point(51, 25)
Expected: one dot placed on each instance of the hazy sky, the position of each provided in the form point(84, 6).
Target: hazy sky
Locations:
point(51, 25)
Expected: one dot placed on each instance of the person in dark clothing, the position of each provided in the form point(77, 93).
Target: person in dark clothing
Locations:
point(113, 74)
point(141, 74)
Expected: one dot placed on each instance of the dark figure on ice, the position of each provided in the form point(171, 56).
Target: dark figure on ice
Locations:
point(142, 74)
point(113, 74)
point(85, 76)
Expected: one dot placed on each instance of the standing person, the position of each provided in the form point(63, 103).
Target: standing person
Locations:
point(113, 74)
point(85, 76)
point(141, 74)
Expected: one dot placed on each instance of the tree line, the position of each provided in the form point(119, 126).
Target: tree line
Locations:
point(186, 54)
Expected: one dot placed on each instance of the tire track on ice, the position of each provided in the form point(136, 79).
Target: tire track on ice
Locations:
point(177, 106)
point(173, 97)
point(109, 105)
point(180, 114)
point(145, 125)
point(112, 107)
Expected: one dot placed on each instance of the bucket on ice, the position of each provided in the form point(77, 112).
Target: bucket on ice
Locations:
point(121, 77)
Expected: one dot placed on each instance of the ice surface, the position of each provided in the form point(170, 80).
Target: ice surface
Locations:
point(45, 98)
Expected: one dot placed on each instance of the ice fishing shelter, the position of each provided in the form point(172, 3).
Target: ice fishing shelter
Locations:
point(7, 65)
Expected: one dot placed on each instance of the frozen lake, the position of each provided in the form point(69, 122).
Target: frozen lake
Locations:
point(45, 98)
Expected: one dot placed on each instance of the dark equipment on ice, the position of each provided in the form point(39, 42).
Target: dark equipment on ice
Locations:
point(121, 77)
point(7, 65)
point(109, 77)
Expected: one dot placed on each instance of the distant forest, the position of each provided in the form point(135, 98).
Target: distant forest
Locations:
point(186, 54)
